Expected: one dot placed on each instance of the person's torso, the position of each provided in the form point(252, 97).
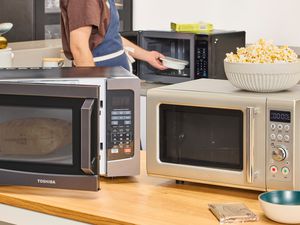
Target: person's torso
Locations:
point(110, 51)
point(97, 8)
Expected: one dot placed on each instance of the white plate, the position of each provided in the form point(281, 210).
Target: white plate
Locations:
point(172, 63)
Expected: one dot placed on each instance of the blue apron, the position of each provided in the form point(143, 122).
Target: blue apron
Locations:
point(110, 51)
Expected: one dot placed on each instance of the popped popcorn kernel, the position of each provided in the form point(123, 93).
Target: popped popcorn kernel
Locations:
point(262, 52)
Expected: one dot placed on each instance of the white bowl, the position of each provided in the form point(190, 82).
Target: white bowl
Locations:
point(269, 77)
point(172, 63)
point(281, 206)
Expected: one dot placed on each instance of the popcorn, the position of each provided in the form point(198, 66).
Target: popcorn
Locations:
point(262, 52)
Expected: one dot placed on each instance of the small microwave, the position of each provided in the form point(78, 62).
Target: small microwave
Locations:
point(63, 127)
point(208, 131)
point(205, 53)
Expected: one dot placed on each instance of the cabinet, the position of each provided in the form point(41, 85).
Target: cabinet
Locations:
point(125, 12)
point(40, 19)
point(33, 19)
point(21, 14)
point(14, 215)
point(47, 22)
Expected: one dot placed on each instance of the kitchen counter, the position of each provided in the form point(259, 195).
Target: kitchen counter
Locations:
point(133, 200)
point(29, 45)
point(36, 50)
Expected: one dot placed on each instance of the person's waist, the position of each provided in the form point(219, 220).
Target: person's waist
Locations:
point(109, 56)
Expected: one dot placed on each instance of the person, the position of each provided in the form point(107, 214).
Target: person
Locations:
point(90, 36)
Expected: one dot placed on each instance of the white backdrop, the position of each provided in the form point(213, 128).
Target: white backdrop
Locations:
point(278, 20)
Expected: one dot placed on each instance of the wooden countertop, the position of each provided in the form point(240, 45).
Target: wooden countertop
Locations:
point(134, 200)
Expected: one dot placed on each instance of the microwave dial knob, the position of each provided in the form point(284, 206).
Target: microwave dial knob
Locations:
point(279, 153)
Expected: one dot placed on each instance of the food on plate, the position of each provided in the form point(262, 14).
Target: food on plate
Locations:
point(34, 136)
point(262, 52)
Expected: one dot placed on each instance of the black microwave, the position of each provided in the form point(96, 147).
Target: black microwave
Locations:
point(205, 53)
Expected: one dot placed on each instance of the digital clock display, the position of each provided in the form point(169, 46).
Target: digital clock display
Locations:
point(280, 116)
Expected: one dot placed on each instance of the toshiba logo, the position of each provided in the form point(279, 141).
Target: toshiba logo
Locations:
point(43, 181)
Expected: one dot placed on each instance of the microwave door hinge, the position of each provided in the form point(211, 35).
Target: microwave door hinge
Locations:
point(250, 114)
point(86, 113)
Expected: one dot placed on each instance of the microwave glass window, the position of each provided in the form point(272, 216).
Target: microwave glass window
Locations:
point(201, 136)
point(42, 135)
point(174, 48)
point(52, 6)
point(52, 31)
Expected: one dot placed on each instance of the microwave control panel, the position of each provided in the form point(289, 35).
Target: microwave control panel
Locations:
point(120, 124)
point(201, 59)
point(280, 148)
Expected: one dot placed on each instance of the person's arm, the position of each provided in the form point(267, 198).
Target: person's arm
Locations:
point(151, 57)
point(79, 44)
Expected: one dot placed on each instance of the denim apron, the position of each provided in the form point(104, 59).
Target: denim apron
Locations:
point(110, 51)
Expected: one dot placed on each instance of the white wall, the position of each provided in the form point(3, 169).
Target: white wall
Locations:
point(278, 20)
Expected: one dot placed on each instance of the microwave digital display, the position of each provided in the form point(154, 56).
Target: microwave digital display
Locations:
point(280, 116)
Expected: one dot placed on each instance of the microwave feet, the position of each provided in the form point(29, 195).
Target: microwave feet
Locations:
point(179, 182)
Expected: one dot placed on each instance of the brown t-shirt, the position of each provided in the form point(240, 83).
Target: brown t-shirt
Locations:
point(80, 13)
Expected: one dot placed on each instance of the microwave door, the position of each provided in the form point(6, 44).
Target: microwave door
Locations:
point(206, 138)
point(48, 140)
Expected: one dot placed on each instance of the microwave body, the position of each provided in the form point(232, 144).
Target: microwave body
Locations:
point(63, 127)
point(208, 131)
point(205, 53)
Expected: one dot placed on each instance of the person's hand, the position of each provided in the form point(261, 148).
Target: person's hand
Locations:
point(153, 58)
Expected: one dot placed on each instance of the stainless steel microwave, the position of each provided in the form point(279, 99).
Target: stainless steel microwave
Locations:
point(208, 131)
point(63, 127)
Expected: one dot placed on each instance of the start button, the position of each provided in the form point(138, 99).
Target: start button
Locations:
point(127, 150)
point(285, 170)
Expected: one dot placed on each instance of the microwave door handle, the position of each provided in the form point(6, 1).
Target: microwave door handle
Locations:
point(250, 111)
point(86, 112)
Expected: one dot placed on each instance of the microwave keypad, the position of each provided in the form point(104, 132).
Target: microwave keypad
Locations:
point(121, 135)
point(201, 59)
point(120, 124)
point(280, 151)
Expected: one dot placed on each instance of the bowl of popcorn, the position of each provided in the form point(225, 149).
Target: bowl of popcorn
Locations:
point(263, 67)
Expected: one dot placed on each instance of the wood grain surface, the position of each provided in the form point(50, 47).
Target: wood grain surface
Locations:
point(134, 200)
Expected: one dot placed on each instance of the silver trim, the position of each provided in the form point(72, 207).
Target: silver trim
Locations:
point(115, 168)
point(74, 182)
point(86, 112)
point(250, 111)
point(49, 90)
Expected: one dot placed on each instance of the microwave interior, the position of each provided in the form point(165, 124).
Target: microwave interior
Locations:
point(170, 47)
point(42, 134)
point(199, 136)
